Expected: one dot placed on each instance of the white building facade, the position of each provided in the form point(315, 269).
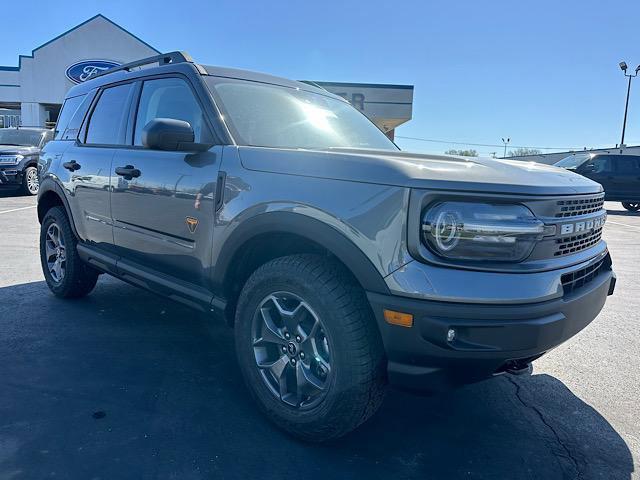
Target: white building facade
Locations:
point(32, 93)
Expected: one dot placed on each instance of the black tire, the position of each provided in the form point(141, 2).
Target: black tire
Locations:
point(78, 278)
point(631, 206)
point(356, 385)
point(30, 182)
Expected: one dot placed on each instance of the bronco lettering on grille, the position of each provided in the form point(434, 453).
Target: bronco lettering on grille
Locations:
point(586, 226)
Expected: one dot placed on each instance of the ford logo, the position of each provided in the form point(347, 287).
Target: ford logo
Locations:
point(83, 71)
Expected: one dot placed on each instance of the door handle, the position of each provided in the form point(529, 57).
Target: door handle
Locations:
point(72, 166)
point(128, 172)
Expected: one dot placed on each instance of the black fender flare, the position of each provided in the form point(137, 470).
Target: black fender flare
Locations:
point(47, 185)
point(306, 227)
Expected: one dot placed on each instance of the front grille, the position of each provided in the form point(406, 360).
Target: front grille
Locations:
point(579, 278)
point(576, 243)
point(580, 206)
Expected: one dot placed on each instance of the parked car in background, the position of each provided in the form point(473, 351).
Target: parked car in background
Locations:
point(618, 174)
point(19, 151)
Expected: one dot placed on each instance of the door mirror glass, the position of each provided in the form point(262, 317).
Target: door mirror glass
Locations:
point(168, 134)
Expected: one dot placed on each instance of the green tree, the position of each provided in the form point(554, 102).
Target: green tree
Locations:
point(462, 153)
point(521, 152)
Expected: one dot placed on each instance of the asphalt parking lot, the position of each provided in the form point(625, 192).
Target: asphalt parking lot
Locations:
point(124, 384)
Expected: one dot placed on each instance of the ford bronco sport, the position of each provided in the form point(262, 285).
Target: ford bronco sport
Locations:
point(342, 263)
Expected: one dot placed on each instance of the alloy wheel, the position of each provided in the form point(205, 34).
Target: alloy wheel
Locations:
point(291, 350)
point(33, 184)
point(55, 253)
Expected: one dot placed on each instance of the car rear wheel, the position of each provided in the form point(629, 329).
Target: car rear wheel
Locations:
point(309, 348)
point(631, 206)
point(30, 181)
point(65, 273)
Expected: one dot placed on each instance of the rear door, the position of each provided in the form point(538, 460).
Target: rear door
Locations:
point(626, 177)
point(163, 218)
point(87, 163)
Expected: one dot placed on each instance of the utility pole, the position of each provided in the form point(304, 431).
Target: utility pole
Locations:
point(506, 142)
point(623, 67)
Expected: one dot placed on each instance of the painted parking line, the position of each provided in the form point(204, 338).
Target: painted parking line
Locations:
point(17, 209)
point(618, 223)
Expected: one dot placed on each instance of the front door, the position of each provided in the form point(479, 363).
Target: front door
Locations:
point(163, 214)
point(599, 169)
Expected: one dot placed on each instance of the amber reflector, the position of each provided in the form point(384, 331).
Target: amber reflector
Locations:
point(398, 318)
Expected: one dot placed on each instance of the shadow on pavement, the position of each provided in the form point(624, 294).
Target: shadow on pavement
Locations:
point(123, 384)
point(623, 213)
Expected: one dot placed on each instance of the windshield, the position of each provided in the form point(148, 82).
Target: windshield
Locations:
point(20, 137)
point(573, 161)
point(281, 117)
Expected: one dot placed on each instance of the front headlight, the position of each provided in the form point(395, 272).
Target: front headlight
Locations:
point(11, 159)
point(481, 231)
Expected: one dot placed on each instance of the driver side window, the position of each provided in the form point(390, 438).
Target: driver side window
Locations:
point(598, 165)
point(170, 98)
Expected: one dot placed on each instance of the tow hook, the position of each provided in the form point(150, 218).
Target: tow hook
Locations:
point(518, 367)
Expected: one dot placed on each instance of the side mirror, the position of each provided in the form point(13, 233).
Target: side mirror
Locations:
point(168, 134)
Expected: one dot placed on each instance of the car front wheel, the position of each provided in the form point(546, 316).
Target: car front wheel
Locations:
point(30, 181)
point(309, 348)
point(631, 206)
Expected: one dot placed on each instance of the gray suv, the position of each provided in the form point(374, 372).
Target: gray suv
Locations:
point(342, 263)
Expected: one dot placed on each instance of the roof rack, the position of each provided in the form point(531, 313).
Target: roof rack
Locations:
point(162, 59)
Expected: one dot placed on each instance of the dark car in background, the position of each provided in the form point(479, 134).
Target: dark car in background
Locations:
point(618, 174)
point(19, 151)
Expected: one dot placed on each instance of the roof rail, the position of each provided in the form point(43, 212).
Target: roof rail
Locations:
point(162, 59)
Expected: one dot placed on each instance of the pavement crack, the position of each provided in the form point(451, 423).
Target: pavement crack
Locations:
point(567, 452)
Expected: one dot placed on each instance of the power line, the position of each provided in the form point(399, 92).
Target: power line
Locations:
point(484, 144)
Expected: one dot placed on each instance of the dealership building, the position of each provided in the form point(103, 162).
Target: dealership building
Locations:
point(32, 92)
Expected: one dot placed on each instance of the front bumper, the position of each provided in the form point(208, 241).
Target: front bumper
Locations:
point(10, 176)
point(489, 339)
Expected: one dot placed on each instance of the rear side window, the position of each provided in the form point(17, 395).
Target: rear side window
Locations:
point(628, 165)
point(68, 111)
point(108, 122)
point(170, 98)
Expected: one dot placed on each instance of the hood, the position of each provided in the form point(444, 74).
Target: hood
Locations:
point(18, 150)
point(439, 172)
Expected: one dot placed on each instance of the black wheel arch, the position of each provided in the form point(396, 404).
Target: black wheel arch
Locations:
point(291, 224)
point(51, 194)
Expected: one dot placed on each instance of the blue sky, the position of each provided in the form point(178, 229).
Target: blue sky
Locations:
point(543, 73)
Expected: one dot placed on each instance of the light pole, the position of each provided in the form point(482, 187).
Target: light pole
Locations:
point(505, 146)
point(623, 67)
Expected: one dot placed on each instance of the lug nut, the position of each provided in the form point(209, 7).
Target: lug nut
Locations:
point(284, 349)
point(293, 361)
point(298, 339)
point(451, 335)
point(301, 354)
point(287, 336)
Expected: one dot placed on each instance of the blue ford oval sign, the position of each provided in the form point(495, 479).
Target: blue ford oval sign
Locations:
point(83, 71)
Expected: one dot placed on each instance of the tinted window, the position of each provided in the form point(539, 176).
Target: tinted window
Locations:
point(573, 161)
point(68, 110)
point(274, 116)
point(599, 164)
point(170, 98)
point(108, 122)
point(73, 127)
point(627, 165)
